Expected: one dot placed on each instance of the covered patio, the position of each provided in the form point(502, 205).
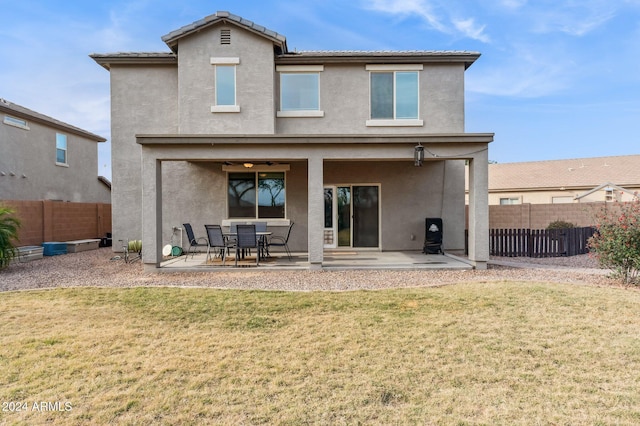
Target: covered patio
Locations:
point(333, 260)
point(316, 153)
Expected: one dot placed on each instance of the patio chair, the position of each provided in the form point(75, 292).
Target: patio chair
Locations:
point(246, 239)
point(280, 241)
point(217, 240)
point(193, 241)
point(262, 239)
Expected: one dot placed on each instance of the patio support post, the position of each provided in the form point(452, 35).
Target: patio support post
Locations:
point(315, 211)
point(479, 209)
point(151, 211)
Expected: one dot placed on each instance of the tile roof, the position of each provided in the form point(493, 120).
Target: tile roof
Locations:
point(30, 115)
point(284, 56)
point(221, 16)
point(379, 56)
point(571, 173)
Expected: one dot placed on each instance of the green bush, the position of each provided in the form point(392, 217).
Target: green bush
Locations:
point(560, 224)
point(9, 225)
point(616, 242)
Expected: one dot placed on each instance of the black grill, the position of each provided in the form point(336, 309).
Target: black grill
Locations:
point(433, 235)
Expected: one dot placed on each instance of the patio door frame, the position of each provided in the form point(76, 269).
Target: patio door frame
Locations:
point(334, 207)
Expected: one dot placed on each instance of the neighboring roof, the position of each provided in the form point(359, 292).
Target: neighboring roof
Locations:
point(27, 114)
point(379, 56)
point(577, 173)
point(225, 17)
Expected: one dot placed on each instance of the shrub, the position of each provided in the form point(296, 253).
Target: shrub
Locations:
point(616, 242)
point(9, 226)
point(560, 224)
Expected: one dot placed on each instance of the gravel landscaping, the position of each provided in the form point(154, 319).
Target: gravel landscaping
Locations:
point(94, 268)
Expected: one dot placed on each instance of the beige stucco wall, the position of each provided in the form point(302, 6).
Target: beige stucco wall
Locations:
point(344, 98)
point(254, 83)
point(28, 169)
point(143, 100)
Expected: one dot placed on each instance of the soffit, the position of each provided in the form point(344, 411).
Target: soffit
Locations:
point(106, 60)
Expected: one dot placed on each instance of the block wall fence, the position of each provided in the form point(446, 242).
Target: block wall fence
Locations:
point(44, 220)
point(539, 216)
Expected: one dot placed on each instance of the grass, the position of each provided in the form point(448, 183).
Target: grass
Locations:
point(486, 353)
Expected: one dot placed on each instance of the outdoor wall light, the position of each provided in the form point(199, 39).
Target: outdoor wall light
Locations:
point(418, 155)
point(248, 165)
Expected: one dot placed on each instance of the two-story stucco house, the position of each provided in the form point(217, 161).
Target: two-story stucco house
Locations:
point(230, 124)
point(42, 158)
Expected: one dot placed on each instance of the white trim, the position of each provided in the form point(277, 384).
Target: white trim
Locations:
point(395, 123)
point(299, 68)
point(62, 164)
point(256, 168)
point(225, 108)
point(392, 67)
point(16, 122)
point(301, 113)
point(225, 61)
point(270, 221)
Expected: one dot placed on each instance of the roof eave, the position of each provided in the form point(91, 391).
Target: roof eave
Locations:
point(50, 122)
point(108, 59)
point(372, 58)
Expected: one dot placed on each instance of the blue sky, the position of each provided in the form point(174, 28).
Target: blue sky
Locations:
point(557, 78)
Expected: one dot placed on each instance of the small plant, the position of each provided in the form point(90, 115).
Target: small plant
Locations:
point(9, 225)
point(616, 242)
point(560, 224)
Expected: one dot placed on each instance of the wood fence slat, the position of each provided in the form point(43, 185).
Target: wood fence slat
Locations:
point(539, 242)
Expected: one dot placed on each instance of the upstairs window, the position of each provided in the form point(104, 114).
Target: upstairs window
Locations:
point(394, 95)
point(225, 84)
point(300, 90)
point(61, 149)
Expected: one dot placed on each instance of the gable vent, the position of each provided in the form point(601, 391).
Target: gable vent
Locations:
point(225, 36)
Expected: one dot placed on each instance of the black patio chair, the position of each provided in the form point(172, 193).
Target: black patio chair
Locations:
point(246, 239)
point(280, 241)
point(217, 240)
point(193, 241)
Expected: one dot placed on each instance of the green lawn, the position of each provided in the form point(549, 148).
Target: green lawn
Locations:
point(486, 353)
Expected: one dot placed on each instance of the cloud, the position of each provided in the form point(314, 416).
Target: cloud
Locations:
point(528, 71)
point(576, 18)
point(469, 28)
point(513, 4)
point(439, 15)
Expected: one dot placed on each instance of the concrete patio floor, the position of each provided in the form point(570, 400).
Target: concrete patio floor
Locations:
point(333, 260)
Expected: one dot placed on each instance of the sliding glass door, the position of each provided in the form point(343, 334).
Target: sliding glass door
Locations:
point(352, 216)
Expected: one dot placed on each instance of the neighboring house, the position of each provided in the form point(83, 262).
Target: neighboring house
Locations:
point(230, 124)
point(578, 180)
point(42, 158)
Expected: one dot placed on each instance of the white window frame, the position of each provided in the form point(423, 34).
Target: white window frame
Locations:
point(395, 122)
point(66, 150)
point(226, 62)
point(510, 201)
point(16, 122)
point(302, 69)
